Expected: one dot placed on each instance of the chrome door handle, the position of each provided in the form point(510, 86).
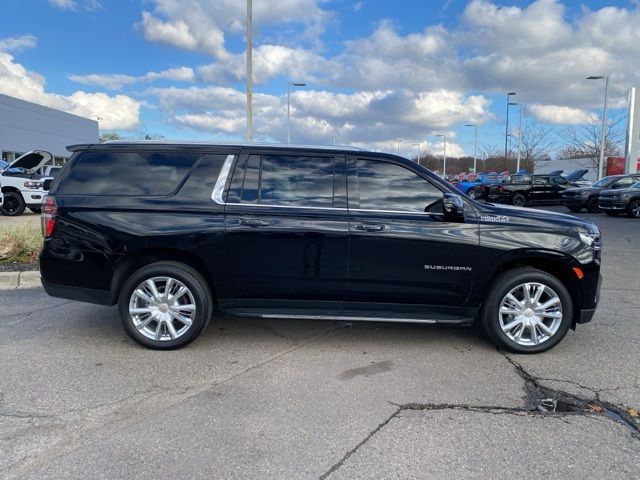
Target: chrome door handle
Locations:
point(254, 222)
point(367, 227)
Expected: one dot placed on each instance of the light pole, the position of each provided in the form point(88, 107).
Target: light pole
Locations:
point(604, 120)
point(333, 139)
point(418, 157)
point(249, 71)
point(289, 85)
point(506, 130)
point(398, 142)
point(444, 152)
point(475, 145)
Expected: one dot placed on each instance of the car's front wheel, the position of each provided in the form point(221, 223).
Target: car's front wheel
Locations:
point(519, 200)
point(592, 205)
point(165, 305)
point(527, 311)
point(634, 209)
point(13, 205)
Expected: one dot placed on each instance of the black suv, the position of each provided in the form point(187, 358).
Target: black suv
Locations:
point(174, 233)
point(613, 202)
point(575, 199)
point(526, 189)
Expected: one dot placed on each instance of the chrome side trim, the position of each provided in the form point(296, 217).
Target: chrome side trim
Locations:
point(346, 318)
point(218, 188)
point(298, 207)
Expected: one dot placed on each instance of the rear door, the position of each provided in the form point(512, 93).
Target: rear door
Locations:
point(287, 230)
point(540, 190)
point(403, 251)
point(557, 185)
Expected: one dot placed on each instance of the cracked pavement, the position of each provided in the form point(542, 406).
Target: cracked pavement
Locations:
point(311, 399)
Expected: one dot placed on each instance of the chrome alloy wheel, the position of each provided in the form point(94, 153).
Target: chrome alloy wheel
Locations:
point(162, 308)
point(635, 209)
point(530, 314)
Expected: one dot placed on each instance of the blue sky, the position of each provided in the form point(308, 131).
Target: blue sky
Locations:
point(376, 70)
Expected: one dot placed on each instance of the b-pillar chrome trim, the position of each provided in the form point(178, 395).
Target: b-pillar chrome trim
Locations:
point(218, 189)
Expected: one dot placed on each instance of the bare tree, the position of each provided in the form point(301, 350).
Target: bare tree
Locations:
point(536, 145)
point(109, 136)
point(583, 139)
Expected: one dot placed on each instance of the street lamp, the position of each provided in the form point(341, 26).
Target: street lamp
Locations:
point(249, 70)
point(333, 139)
point(444, 152)
point(418, 157)
point(519, 138)
point(506, 130)
point(475, 144)
point(289, 85)
point(604, 120)
point(398, 141)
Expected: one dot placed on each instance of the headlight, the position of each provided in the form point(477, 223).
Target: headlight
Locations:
point(33, 185)
point(588, 238)
point(626, 196)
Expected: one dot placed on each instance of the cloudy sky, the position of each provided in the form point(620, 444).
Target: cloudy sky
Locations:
point(375, 70)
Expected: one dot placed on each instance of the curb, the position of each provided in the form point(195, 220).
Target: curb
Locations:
point(15, 280)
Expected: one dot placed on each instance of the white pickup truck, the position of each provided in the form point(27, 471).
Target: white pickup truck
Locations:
point(21, 185)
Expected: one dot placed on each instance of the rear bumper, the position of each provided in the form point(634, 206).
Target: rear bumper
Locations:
point(88, 295)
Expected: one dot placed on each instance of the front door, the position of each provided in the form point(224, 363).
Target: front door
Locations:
point(403, 250)
point(287, 230)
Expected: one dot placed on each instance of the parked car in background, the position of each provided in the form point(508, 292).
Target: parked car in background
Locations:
point(21, 185)
point(621, 200)
point(175, 233)
point(575, 199)
point(577, 177)
point(52, 170)
point(530, 189)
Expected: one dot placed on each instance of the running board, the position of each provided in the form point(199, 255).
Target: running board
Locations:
point(441, 319)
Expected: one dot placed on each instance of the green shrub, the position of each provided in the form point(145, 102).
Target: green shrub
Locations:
point(19, 244)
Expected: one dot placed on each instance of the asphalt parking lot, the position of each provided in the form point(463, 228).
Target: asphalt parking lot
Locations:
point(303, 399)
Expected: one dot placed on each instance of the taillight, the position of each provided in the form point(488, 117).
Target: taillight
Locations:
point(48, 216)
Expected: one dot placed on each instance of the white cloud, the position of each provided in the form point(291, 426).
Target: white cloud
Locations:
point(201, 25)
point(117, 112)
point(370, 118)
point(17, 43)
point(115, 81)
point(76, 4)
point(558, 114)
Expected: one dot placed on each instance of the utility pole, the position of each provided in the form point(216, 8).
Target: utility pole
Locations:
point(444, 152)
point(399, 140)
point(289, 85)
point(418, 157)
point(506, 132)
point(249, 71)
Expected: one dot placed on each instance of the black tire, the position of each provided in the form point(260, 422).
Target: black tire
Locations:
point(472, 194)
point(519, 200)
point(13, 205)
point(575, 209)
point(502, 285)
point(592, 205)
point(634, 209)
point(36, 210)
point(197, 286)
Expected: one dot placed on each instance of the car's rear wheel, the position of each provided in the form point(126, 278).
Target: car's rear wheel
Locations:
point(592, 205)
point(519, 200)
point(527, 311)
point(634, 209)
point(165, 305)
point(13, 205)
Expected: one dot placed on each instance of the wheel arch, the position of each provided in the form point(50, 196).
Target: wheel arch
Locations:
point(9, 188)
point(556, 264)
point(137, 259)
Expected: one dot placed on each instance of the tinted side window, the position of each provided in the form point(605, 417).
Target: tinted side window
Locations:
point(624, 182)
point(127, 173)
point(296, 181)
point(387, 186)
point(540, 180)
point(558, 180)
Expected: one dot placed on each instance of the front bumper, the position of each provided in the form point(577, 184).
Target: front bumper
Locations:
point(33, 197)
point(574, 201)
point(590, 298)
point(612, 204)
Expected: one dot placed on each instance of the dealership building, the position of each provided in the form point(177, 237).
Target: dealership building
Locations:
point(26, 126)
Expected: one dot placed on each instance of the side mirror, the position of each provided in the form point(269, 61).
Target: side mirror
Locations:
point(453, 207)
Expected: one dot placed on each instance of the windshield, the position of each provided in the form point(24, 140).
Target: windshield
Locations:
point(605, 182)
